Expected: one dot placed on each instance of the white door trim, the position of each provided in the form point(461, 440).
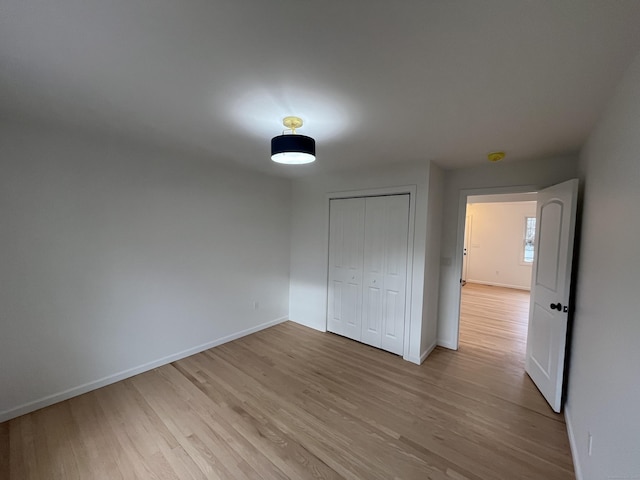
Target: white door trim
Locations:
point(411, 190)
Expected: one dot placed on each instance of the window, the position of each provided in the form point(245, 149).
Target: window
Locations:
point(529, 239)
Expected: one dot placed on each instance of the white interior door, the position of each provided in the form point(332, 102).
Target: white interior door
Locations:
point(346, 239)
point(373, 289)
point(385, 272)
point(395, 273)
point(550, 289)
point(368, 250)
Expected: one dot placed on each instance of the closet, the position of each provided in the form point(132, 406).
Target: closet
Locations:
point(368, 269)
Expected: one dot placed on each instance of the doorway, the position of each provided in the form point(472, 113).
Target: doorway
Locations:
point(496, 277)
point(551, 291)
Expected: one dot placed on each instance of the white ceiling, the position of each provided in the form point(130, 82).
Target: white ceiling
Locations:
point(375, 82)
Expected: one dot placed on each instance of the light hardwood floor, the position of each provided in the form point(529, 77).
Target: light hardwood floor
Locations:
point(289, 402)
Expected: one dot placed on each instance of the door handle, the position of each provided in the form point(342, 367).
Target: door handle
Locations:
point(556, 306)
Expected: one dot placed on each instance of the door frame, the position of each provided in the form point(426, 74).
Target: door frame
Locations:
point(468, 220)
point(410, 190)
point(458, 258)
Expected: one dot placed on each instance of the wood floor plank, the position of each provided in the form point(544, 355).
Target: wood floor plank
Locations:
point(4, 450)
point(290, 402)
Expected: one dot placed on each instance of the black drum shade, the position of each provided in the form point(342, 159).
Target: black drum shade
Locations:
point(293, 149)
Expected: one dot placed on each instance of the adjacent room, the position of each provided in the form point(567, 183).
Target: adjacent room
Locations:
point(498, 254)
point(294, 240)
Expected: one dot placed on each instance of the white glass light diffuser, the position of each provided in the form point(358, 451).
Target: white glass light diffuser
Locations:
point(293, 158)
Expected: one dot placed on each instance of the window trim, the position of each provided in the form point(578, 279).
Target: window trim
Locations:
point(524, 241)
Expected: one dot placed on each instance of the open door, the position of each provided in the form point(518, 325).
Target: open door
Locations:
point(550, 289)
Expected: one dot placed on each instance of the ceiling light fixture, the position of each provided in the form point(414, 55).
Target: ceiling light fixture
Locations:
point(290, 148)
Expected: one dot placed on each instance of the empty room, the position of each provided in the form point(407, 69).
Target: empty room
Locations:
point(499, 249)
point(257, 239)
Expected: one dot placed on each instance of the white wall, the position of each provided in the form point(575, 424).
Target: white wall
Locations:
point(490, 178)
point(604, 377)
point(432, 260)
point(115, 258)
point(494, 254)
point(309, 242)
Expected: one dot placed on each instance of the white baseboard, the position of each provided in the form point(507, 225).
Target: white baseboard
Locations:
point(505, 285)
point(572, 442)
point(418, 360)
point(310, 325)
point(429, 349)
point(412, 358)
point(116, 377)
point(446, 344)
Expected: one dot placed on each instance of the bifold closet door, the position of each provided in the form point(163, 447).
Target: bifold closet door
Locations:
point(385, 272)
point(346, 241)
point(368, 268)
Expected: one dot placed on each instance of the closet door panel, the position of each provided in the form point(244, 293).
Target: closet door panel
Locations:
point(395, 273)
point(374, 251)
point(372, 317)
point(346, 243)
